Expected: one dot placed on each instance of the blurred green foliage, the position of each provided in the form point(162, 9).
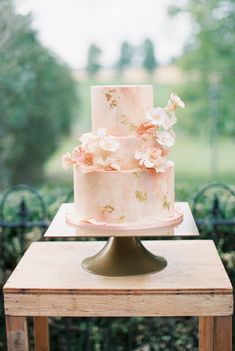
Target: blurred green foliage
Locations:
point(37, 97)
point(209, 62)
point(149, 59)
point(125, 60)
point(93, 60)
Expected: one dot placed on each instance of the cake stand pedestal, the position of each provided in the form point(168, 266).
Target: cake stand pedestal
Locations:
point(123, 254)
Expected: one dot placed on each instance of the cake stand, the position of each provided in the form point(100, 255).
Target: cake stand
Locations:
point(123, 254)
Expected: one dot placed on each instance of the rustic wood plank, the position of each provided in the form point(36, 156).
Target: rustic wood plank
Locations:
point(206, 333)
point(223, 333)
point(59, 227)
point(101, 305)
point(41, 333)
point(17, 333)
point(193, 266)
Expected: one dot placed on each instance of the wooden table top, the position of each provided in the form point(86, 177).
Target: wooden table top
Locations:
point(193, 266)
point(59, 227)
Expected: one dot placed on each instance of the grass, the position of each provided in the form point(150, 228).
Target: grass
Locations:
point(191, 153)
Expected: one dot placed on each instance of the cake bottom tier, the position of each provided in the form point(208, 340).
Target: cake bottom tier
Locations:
point(127, 196)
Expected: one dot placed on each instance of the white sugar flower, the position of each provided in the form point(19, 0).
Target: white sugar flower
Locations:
point(160, 165)
point(165, 138)
point(161, 117)
point(108, 143)
point(151, 159)
point(101, 133)
point(89, 142)
point(175, 101)
point(108, 163)
point(144, 158)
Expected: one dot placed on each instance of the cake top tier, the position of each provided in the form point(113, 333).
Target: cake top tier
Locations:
point(120, 108)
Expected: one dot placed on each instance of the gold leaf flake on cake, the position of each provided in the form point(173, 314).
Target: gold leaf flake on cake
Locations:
point(121, 219)
point(109, 93)
point(165, 203)
point(113, 104)
point(131, 127)
point(125, 122)
point(141, 196)
point(107, 209)
point(136, 174)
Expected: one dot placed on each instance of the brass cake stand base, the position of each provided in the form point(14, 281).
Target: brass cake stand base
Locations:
point(123, 256)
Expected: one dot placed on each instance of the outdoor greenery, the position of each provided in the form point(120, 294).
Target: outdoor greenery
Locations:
point(149, 59)
point(37, 100)
point(93, 60)
point(209, 62)
point(43, 112)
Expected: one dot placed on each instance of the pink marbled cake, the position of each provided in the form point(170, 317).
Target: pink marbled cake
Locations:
point(126, 196)
point(129, 195)
point(119, 109)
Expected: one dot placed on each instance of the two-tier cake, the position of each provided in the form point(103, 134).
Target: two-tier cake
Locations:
point(122, 176)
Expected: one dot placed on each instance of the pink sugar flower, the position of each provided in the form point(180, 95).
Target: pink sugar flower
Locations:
point(67, 160)
point(145, 128)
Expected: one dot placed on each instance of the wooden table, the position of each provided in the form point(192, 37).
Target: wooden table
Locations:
point(49, 281)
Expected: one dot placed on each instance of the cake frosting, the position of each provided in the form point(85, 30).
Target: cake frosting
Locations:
point(122, 174)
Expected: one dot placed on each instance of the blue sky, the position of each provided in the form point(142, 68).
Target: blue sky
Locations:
point(69, 26)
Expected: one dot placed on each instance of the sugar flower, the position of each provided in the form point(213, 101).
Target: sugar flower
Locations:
point(108, 164)
point(67, 160)
point(144, 158)
point(160, 118)
point(102, 141)
point(145, 128)
point(89, 142)
point(108, 143)
point(165, 138)
point(160, 165)
point(152, 158)
point(174, 102)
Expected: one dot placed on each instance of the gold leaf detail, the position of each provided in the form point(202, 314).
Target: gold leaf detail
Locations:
point(107, 209)
point(109, 93)
point(165, 203)
point(136, 174)
point(121, 219)
point(108, 96)
point(141, 196)
point(113, 104)
point(125, 122)
point(131, 127)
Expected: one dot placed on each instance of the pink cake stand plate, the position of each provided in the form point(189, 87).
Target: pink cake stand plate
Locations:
point(163, 223)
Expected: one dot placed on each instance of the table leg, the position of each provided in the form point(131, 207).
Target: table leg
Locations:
point(17, 333)
point(223, 333)
point(215, 333)
point(41, 333)
point(206, 325)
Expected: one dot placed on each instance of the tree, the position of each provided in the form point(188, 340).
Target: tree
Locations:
point(93, 59)
point(209, 59)
point(126, 56)
point(37, 97)
point(149, 59)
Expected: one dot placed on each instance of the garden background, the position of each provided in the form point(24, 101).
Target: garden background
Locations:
point(45, 106)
